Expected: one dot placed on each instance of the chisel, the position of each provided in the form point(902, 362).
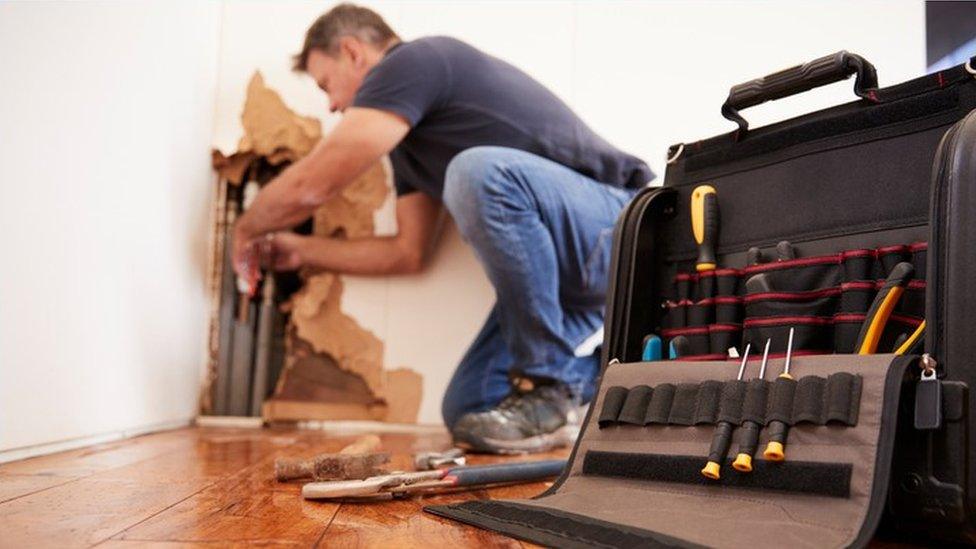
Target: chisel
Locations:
point(704, 225)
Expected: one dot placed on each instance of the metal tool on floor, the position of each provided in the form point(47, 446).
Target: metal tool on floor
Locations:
point(398, 485)
point(749, 432)
point(358, 460)
point(426, 461)
point(722, 438)
point(704, 225)
point(779, 430)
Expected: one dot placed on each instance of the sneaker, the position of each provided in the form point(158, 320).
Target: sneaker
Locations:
point(538, 415)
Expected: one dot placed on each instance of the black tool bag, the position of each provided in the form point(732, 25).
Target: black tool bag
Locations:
point(855, 190)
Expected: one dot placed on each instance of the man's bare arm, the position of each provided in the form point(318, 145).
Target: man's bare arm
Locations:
point(361, 139)
point(417, 216)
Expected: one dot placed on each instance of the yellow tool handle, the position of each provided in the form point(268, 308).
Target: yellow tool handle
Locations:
point(778, 431)
point(719, 450)
point(912, 339)
point(748, 442)
point(704, 225)
point(884, 303)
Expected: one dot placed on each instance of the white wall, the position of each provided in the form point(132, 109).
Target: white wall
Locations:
point(643, 74)
point(106, 117)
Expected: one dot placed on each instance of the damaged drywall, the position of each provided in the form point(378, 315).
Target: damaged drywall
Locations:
point(351, 212)
point(334, 366)
point(271, 130)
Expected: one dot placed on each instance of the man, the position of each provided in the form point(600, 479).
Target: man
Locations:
point(531, 188)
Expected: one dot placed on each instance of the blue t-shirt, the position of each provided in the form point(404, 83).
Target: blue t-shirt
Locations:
point(456, 97)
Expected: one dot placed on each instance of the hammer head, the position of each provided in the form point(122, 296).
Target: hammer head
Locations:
point(426, 461)
point(332, 467)
point(350, 466)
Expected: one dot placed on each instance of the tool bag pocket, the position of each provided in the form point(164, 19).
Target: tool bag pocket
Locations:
point(650, 428)
point(825, 298)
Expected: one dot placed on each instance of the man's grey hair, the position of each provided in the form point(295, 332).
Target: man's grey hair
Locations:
point(344, 20)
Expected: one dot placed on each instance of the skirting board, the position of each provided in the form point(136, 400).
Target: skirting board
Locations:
point(291, 410)
point(35, 450)
point(331, 426)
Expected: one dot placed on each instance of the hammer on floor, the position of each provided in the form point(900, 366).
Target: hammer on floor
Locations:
point(358, 460)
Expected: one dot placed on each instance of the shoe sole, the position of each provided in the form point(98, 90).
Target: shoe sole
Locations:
point(562, 437)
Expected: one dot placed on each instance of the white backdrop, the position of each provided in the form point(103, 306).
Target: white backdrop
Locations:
point(643, 74)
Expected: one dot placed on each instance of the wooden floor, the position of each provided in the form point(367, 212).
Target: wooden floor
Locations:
point(215, 487)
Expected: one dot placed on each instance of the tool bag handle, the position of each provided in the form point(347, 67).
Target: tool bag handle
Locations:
point(819, 72)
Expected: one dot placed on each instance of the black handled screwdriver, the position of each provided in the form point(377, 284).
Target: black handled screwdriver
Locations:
point(749, 433)
point(723, 435)
point(778, 430)
point(704, 224)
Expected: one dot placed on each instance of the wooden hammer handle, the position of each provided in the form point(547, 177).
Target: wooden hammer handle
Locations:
point(362, 445)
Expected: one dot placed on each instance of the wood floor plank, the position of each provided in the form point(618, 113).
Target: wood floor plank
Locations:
point(258, 518)
point(159, 473)
point(247, 508)
point(15, 486)
point(403, 523)
point(84, 512)
point(129, 544)
point(92, 459)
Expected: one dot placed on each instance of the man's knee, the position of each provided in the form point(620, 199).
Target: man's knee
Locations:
point(473, 177)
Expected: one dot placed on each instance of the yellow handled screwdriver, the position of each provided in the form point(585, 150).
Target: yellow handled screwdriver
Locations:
point(749, 433)
point(723, 435)
point(704, 224)
point(881, 308)
point(778, 430)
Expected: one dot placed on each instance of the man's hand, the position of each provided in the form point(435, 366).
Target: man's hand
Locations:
point(245, 257)
point(362, 137)
point(284, 251)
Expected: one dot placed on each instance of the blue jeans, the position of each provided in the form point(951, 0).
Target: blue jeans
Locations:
point(543, 233)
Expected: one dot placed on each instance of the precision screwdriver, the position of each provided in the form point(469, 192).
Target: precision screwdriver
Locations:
point(723, 434)
point(704, 225)
point(778, 430)
point(749, 433)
